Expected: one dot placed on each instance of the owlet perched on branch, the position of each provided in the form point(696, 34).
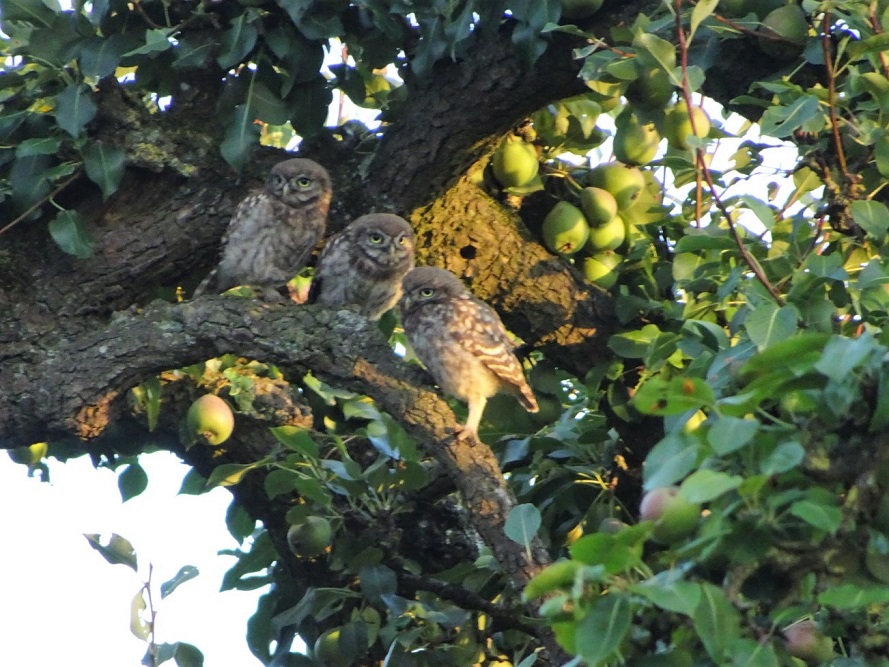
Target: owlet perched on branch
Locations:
point(363, 265)
point(462, 342)
point(273, 232)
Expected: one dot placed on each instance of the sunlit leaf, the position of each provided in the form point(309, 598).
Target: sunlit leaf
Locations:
point(118, 551)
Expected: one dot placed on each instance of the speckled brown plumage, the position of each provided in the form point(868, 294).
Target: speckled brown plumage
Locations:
point(273, 231)
point(462, 342)
point(362, 266)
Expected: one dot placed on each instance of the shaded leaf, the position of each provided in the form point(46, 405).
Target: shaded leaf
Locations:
point(602, 630)
point(104, 166)
point(74, 109)
point(769, 323)
point(717, 622)
point(522, 524)
point(705, 485)
point(185, 573)
point(68, 231)
point(871, 216)
point(132, 481)
point(237, 41)
point(241, 135)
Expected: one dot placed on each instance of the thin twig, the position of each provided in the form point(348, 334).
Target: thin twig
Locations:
point(831, 95)
point(702, 169)
point(878, 29)
point(34, 207)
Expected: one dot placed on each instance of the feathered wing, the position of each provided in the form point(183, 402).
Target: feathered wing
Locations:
point(488, 341)
point(321, 270)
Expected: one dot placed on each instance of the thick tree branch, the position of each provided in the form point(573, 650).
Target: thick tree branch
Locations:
point(76, 387)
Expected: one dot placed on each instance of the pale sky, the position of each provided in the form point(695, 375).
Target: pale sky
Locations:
point(62, 603)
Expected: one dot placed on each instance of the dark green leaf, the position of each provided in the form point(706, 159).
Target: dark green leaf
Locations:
point(769, 323)
point(602, 630)
point(38, 146)
point(705, 485)
point(100, 56)
point(193, 484)
point(132, 481)
point(156, 41)
point(823, 517)
point(522, 524)
point(377, 581)
point(241, 135)
point(104, 166)
point(74, 109)
point(780, 121)
point(67, 230)
point(786, 456)
point(35, 12)
point(185, 573)
point(238, 521)
point(871, 216)
point(671, 460)
point(717, 622)
point(237, 41)
point(310, 102)
point(187, 655)
point(297, 439)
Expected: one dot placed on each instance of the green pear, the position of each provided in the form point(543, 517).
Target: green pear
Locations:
point(635, 142)
point(210, 419)
point(565, 229)
point(652, 89)
point(622, 181)
point(515, 163)
point(310, 538)
point(606, 92)
point(787, 23)
point(607, 237)
point(598, 205)
point(678, 124)
point(601, 268)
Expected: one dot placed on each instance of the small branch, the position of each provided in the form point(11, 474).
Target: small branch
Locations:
point(831, 96)
point(878, 29)
point(64, 184)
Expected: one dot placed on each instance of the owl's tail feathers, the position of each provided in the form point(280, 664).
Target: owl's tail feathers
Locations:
point(526, 398)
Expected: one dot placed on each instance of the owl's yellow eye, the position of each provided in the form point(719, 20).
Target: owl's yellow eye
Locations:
point(402, 240)
point(426, 292)
point(303, 181)
point(375, 237)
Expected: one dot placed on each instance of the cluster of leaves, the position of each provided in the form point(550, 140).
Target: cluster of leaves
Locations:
point(762, 349)
point(265, 58)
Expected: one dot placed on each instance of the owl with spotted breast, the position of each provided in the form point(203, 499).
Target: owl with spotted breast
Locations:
point(273, 231)
point(364, 264)
point(462, 342)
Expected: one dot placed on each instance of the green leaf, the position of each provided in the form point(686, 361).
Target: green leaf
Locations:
point(148, 395)
point(132, 481)
point(717, 622)
point(104, 166)
point(634, 344)
point(229, 474)
point(871, 216)
point(662, 52)
point(310, 102)
point(279, 482)
point(35, 12)
point(118, 551)
point(854, 596)
point(68, 232)
point(823, 517)
point(786, 456)
point(193, 484)
point(139, 626)
point(237, 41)
point(267, 106)
point(187, 655)
point(602, 630)
point(657, 396)
point(38, 146)
point(377, 581)
point(185, 573)
point(670, 460)
point(705, 485)
point(606, 550)
point(100, 56)
point(297, 439)
point(842, 355)
point(238, 521)
point(74, 109)
point(156, 41)
point(241, 135)
point(522, 524)
point(748, 652)
point(780, 121)
point(729, 434)
point(668, 591)
point(768, 323)
point(702, 10)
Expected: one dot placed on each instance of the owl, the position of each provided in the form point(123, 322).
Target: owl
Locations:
point(462, 342)
point(273, 232)
point(364, 264)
